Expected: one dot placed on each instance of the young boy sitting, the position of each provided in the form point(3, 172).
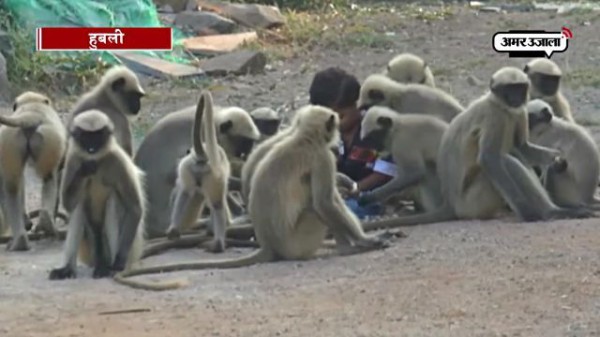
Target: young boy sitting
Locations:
point(336, 89)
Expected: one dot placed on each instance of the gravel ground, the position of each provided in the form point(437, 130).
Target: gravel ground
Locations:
point(467, 278)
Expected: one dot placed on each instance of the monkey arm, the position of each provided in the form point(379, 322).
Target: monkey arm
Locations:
point(491, 159)
point(72, 184)
point(535, 154)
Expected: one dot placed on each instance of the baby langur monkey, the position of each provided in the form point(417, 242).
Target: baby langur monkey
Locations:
point(410, 68)
point(33, 134)
point(414, 141)
point(118, 95)
point(202, 175)
point(267, 121)
point(545, 76)
point(570, 182)
point(478, 172)
point(378, 89)
point(293, 200)
point(102, 191)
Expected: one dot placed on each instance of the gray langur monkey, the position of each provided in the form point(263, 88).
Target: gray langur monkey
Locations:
point(202, 176)
point(545, 77)
point(409, 68)
point(413, 141)
point(477, 171)
point(293, 200)
point(102, 190)
point(169, 140)
point(33, 134)
point(118, 94)
point(378, 89)
point(571, 182)
point(267, 121)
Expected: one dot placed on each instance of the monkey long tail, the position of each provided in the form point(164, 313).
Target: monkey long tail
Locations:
point(443, 213)
point(259, 256)
point(189, 241)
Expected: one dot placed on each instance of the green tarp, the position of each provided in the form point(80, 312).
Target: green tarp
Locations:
point(89, 13)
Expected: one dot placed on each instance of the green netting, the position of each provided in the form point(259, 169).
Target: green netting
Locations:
point(90, 13)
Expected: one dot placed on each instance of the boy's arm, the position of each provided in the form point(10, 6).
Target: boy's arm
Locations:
point(383, 171)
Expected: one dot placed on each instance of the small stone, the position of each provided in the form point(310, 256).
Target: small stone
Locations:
point(490, 9)
point(166, 9)
point(237, 63)
point(175, 5)
point(204, 23)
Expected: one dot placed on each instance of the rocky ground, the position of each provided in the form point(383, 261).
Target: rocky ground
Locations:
point(467, 278)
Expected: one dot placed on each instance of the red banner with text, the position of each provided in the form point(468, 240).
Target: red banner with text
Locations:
point(103, 38)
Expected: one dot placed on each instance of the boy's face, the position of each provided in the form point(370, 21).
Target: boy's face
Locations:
point(350, 117)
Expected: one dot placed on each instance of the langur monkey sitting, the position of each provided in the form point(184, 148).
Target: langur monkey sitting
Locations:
point(410, 68)
point(414, 141)
point(102, 191)
point(545, 77)
point(33, 134)
point(479, 174)
point(169, 140)
point(571, 182)
point(267, 121)
point(378, 89)
point(118, 95)
point(203, 175)
point(293, 200)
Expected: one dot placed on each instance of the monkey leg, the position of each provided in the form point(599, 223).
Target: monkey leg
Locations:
point(15, 210)
point(234, 205)
point(538, 205)
point(220, 222)
point(47, 211)
point(186, 206)
point(77, 224)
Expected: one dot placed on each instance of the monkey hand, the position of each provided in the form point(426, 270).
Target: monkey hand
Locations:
point(88, 167)
point(365, 198)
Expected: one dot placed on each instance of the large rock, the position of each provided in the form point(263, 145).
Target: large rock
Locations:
point(249, 15)
point(204, 23)
point(239, 63)
point(5, 90)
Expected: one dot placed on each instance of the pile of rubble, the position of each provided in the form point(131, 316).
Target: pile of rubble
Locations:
point(218, 30)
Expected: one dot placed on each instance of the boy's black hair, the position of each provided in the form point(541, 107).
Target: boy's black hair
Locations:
point(334, 87)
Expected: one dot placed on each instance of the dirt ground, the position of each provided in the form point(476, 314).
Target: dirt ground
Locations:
point(467, 278)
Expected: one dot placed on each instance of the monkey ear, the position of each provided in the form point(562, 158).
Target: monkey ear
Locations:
point(526, 69)
point(15, 106)
point(118, 84)
point(225, 126)
point(384, 122)
point(491, 83)
point(330, 124)
point(47, 101)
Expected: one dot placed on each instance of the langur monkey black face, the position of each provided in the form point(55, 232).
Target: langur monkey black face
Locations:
point(547, 85)
point(375, 97)
point(513, 95)
point(92, 136)
point(376, 138)
point(538, 113)
point(131, 96)
point(242, 144)
point(267, 127)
